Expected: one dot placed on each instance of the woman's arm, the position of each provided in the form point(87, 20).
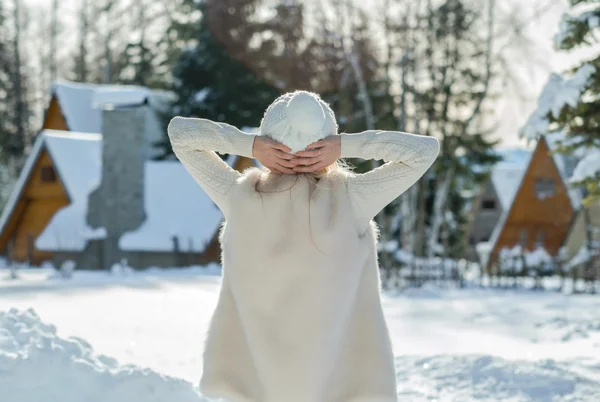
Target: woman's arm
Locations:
point(407, 158)
point(194, 142)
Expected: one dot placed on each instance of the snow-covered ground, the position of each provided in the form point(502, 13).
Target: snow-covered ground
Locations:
point(139, 337)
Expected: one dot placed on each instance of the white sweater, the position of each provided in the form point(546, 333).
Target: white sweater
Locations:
point(299, 316)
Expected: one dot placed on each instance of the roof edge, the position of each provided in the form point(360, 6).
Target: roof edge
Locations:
point(21, 181)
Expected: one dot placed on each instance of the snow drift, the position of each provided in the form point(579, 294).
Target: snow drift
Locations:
point(37, 365)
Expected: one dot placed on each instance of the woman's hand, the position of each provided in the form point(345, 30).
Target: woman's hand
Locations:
point(318, 155)
point(273, 155)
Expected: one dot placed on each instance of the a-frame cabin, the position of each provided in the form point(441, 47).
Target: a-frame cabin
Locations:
point(542, 209)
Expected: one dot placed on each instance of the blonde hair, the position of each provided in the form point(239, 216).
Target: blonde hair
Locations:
point(339, 166)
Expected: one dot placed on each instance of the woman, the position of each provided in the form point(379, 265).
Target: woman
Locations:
point(299, 316)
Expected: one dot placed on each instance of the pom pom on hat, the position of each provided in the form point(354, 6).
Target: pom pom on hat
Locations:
point(298, 119)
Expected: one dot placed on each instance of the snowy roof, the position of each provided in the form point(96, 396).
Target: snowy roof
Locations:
point(72, 155)
point(78, 159)
point(175, 207)
point(82, 103)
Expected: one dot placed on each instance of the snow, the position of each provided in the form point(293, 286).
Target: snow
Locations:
point(538, 258)
point(201, 95)
point(557, 93)
point(484, 249)
point(588, 167)
point(175, 207)
point(589, 17)
point(82, 104)
point(450, 345)
point(389, 247)
point(404, 256)
point(112, 97)
point(175, 204)
point(78, 159)
point(512, 259)
point(37, 364)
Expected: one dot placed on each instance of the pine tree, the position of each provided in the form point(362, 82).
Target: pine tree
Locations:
point(14, 111)
point(211, 84)
point(145, 61)
point(5, 84)
point(581, 121)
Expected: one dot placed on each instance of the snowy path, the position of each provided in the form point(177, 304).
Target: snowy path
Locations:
point(450, 345)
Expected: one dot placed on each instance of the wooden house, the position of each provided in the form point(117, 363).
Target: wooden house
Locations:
point(583, 237)
point(543, 207)
point(40, 192)
point(45, 217)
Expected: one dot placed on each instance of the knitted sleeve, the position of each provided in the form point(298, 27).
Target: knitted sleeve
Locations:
point(407, 158)
point(194, 143)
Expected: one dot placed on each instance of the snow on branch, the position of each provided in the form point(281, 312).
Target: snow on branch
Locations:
point(588, 167)
point(557, 93)
point(588, 20)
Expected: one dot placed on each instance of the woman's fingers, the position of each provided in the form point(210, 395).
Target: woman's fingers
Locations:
point(318, 144)
point(281, 147)
point(282, 155)
point(309, 153)
point(286, 163)
point(279, 167)
point(307, 161)
point(310, 169)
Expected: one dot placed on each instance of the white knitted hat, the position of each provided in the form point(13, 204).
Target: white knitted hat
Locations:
point(297, 119)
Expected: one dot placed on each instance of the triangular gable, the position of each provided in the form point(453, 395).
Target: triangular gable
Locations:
point(19, 187)
point(46, 141)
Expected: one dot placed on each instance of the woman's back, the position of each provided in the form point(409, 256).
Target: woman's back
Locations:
point(298, 273)
point(299, 316)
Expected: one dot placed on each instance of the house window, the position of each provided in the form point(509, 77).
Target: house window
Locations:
point(488, 204)
point(544, 188)
point(48, 174)
point(523, 237)
point(540, 239)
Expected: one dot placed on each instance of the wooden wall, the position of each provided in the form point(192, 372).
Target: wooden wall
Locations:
point(243, 163)
point(54, 119)
point(38, 202)
point(531, 219)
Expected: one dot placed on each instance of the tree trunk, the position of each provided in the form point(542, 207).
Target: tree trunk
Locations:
point(53, 40)
point(439, 209)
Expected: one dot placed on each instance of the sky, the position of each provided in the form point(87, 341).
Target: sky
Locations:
point(532, 67)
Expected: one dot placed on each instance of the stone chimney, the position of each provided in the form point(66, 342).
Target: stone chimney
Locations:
point(118, 203)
